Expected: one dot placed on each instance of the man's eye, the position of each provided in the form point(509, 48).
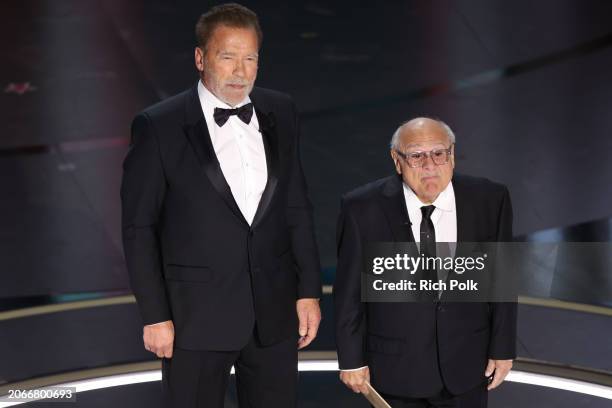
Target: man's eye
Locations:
point(438, 153)
point(416, 156)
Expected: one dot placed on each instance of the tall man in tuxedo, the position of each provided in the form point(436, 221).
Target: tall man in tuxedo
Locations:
point(217, 228)
point(433, 353)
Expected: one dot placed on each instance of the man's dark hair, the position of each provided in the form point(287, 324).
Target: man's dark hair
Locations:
point(230, 15)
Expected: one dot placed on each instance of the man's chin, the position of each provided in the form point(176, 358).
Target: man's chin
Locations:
point(431, 192)
point(236, 93)
point(234, 99)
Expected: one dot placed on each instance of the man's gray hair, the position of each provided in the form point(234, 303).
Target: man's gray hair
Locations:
point(394, 144)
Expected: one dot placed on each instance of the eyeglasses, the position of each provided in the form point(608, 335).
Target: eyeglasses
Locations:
point(417, 159)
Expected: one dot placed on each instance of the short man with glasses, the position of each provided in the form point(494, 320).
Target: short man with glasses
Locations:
point(429, 353)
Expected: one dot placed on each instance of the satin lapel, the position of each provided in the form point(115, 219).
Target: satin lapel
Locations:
point(199, 138)
point(465, 212)
point(394, 205)
point(466, 216)
point(267, 126)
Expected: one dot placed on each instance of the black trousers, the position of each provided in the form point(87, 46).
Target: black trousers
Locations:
point(265, 376)
point(475, 398)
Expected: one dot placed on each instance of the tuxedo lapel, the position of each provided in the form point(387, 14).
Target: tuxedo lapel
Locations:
point(465, 212)
point(196, 131)
point(267, 126)
point(394, 206)
point(466, 219)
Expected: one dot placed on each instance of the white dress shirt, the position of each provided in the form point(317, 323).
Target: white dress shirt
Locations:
point(240, 150)
point(444, 219)
point(444, 216)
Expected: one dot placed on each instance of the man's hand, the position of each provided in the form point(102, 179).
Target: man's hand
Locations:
point(500, 369)
point(159, 338)
point(356, 379)
point(309, 315)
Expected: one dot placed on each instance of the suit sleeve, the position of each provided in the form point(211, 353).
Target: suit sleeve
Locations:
point(300, 220)
point(349, 311)
point(502, 343)
point(143, 189)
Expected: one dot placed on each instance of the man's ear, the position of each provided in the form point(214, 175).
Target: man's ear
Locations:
point(452, 157)
point(396, 162)
point(199, 59)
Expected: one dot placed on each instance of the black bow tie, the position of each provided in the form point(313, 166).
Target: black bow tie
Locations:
point(244, 112)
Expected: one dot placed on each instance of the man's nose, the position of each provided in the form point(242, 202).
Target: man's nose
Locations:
point(239, 68)
point(429, 163)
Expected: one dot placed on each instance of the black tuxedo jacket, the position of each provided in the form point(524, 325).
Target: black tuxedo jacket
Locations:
point(191, 256)
point(411, 347)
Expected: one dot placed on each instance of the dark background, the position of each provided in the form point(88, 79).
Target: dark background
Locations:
point(525, 85)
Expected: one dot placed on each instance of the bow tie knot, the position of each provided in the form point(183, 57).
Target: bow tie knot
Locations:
point(244, 112)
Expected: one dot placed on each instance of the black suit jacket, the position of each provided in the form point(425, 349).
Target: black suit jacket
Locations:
point(191, 256)
point(405, 343)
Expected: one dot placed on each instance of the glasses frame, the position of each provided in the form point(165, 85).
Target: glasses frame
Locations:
point(404, 156)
